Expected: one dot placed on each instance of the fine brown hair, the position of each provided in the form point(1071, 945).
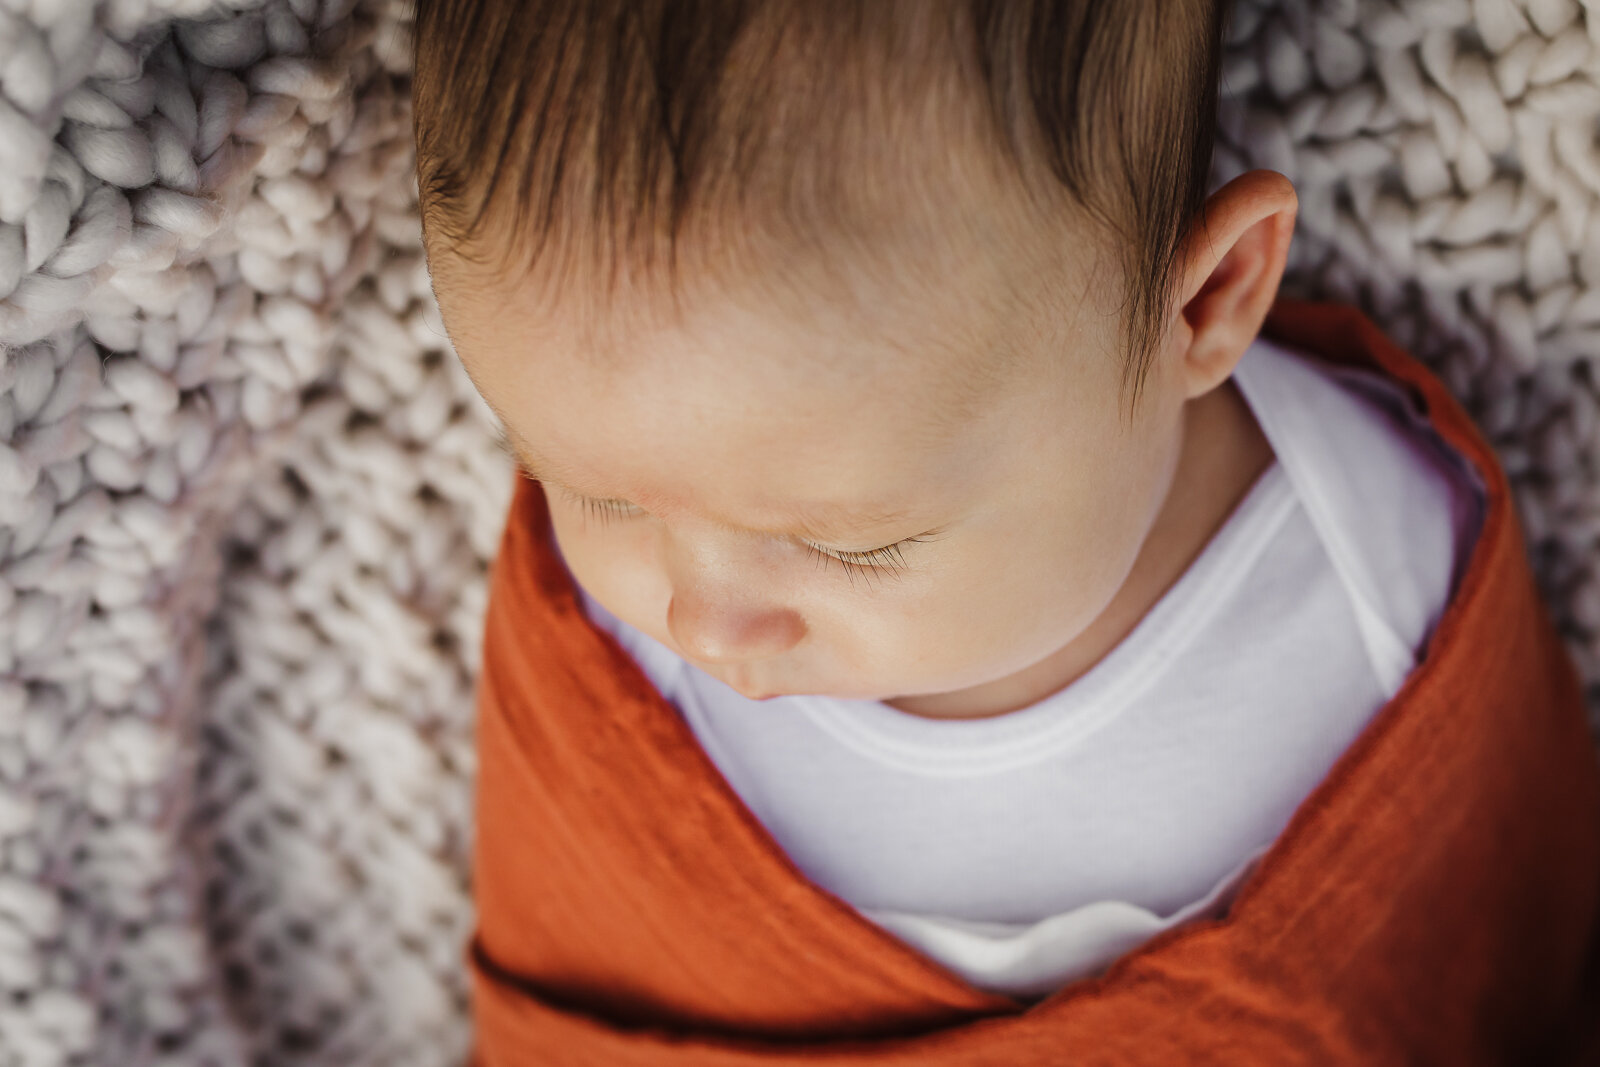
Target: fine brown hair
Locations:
point(611, 122)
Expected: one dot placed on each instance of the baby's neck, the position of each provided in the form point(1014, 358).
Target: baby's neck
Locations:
point(1224, 452)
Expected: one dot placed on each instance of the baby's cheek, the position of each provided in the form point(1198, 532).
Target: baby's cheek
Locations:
point(608, 564)
point(1086, 548)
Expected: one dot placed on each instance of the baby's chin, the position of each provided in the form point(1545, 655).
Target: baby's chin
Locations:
point(967, 692)
point(764, 693)
point(767, 689)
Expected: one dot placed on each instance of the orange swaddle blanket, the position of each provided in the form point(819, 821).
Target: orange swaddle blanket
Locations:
point(1433, 901)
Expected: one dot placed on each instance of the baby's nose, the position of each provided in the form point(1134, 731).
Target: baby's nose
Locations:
point(712, 630)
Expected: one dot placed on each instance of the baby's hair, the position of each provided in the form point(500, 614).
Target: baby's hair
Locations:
point(611, 125)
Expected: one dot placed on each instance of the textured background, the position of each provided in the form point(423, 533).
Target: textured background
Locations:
point(247, 495)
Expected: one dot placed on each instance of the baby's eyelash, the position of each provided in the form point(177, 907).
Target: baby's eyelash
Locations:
point(885, 560)
point(602, 509)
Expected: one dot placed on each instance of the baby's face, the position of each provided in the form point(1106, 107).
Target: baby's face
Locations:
point(788, 493)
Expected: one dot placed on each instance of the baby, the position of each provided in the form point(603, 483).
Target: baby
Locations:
point(932, 597)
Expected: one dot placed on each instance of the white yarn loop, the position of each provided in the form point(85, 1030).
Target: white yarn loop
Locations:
point(119, 156)
point(27, 153)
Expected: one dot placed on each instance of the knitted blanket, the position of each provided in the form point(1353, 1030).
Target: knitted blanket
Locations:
point(247, 495)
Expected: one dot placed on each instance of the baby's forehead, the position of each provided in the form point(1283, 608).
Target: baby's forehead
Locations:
point(968, 285)
point(802, 366)
point(793, 348)
point(941, 310)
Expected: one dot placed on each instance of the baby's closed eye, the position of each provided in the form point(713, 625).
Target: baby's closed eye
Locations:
point(886, 559)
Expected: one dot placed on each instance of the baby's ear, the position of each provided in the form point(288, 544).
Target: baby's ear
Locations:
point(1231, 263)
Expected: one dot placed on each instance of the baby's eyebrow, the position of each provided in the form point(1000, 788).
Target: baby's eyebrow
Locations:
point(823, 524)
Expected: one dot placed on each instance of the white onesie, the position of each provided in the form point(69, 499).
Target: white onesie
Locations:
point(1029, 849)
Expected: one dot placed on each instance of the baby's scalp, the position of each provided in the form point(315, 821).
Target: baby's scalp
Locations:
point(660, 139)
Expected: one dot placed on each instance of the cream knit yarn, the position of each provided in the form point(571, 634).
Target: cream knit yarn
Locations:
point(247, 495)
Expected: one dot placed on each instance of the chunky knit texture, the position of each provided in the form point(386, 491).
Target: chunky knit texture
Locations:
point(247, 494)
